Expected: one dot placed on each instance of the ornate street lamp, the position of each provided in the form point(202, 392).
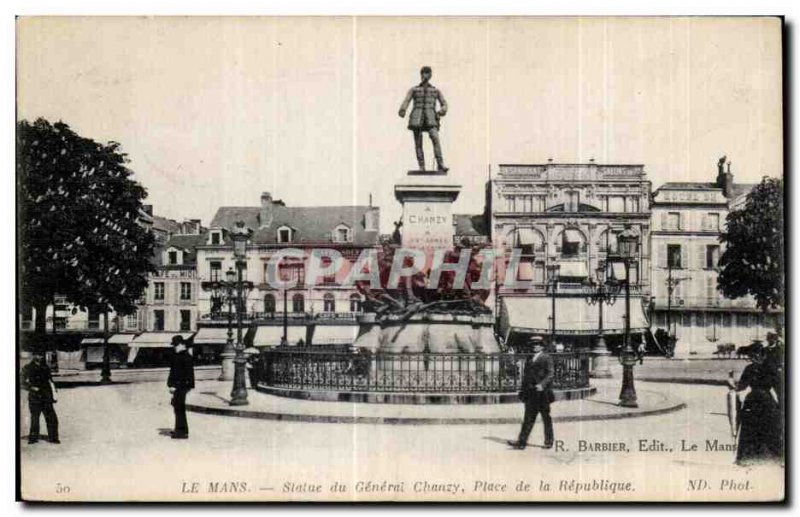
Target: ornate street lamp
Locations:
point(604, 291)
point(627, 253)
point(222, 292)
point(552, 276)
point(240, 235)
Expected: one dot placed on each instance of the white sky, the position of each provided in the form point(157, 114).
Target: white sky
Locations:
point(214, 111)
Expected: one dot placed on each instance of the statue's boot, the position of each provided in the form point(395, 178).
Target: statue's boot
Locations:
point(442, 167)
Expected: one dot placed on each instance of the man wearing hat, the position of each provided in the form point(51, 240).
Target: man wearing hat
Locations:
point(537, 394)
point(36, 378)
point(180, 381)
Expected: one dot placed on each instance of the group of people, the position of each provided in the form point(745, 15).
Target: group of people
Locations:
point(759, 419)
point(37, 380)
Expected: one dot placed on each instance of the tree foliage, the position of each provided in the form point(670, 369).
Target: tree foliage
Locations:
point(753, 262)
point(79, 230)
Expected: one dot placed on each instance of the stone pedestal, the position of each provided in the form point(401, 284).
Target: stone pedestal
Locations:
point(427, 198)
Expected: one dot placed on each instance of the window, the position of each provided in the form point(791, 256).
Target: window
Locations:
point(573, 200)
point(539, 203)
point(342, 234)
point(298, 303)
point(269, 303)
point(172, 258)
point(216, 270)
point(288, 272)
point(616, 204)
point(711, 221)
point(216, 238)
point(131, 321)
point(673, 221)
point(355, 303)
point(186, 320)
point(726, 320)
point(186, 291)
point(158, 320)
point(158, 291)
point(633, 204)
point(701, 319)
point(674, 256)
point(571, 241)
point(284, 234)
point(328, 279)
point(712, 256)
point(328, 303)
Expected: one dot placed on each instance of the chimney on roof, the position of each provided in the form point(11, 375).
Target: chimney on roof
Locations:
point(190, 227)
point(265, 214)
point(372, 219)
point(724, 179)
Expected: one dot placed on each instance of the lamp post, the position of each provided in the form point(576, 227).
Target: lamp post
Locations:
point(240, 235)
point(552, 274)
point(224, 292)
point(627, 251)
point(602, 292)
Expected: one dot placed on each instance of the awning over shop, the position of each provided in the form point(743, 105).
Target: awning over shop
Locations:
point(271, 335)
point(158, 339)
point(573, 316)
point(575, 269)
point(571, 235)
point(334, 334)
point(121, 339)
point(526, 237)
point(212, 336)
point(92, 341)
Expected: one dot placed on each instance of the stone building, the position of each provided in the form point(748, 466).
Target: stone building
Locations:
point(324, 314)
point(567, 215)
point(687, 220)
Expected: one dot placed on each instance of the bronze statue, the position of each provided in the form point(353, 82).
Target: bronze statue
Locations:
point(424, 116)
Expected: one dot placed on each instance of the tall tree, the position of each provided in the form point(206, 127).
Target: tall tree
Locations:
point(753, 261)
point(79, 230)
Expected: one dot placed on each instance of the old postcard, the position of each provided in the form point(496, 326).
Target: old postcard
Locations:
point(400, 259)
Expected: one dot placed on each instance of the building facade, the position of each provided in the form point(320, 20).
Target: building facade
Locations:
point(688, 218)
point(322, 314)
point(569, 216)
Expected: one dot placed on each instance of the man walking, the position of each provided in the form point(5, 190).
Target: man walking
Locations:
point(37, 379)
point(537, 394)
point(424, 117)
point(180, 381)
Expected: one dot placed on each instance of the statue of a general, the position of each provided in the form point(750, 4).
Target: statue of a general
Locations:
point(424, 116)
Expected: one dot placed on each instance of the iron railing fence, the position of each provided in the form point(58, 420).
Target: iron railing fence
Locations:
point(415, 372)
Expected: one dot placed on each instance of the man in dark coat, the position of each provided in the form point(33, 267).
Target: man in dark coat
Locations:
point(537, 394)
point(424, 116)
point(36, 378)
point(180, 381)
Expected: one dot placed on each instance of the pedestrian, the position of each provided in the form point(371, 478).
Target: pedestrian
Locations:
point(180, 382)
point(537, 394)
point(760, 430)
point(37, 379)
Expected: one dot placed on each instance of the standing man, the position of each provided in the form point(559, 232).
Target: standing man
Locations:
point(36, 378)
point(424, 116)
point(180, 381)
point(537, 394)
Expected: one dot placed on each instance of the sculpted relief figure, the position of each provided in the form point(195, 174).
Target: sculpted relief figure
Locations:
point(424, 116)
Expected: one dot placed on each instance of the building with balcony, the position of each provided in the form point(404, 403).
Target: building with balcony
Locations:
point(569, 216)
point(322, 314)
point(687, 221)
